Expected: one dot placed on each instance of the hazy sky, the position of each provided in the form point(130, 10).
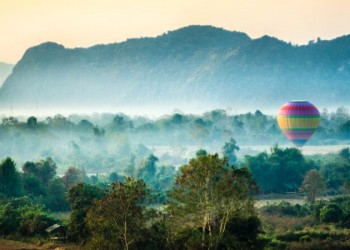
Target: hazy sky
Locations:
point(82, 23)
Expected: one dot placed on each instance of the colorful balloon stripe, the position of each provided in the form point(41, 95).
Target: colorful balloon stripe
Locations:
point(298, 120)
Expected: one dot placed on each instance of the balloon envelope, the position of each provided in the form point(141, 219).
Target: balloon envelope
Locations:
point(298, 120)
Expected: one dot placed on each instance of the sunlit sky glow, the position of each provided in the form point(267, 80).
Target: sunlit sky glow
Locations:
point(83, 23)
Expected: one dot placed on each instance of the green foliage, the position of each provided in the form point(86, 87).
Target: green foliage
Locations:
point(56, 198)
point(280, 171)
point(10, 181)
point(113, 177)
point(335, 169)
point(242, 233)
point(331, 213)
point(284, 208)
point(81, 197)
point(207, 197)
point(44, 170)
point(21, 216)
point(117, 221)
point(42, 184)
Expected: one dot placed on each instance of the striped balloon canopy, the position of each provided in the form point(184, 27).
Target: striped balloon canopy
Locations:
point(298, 120)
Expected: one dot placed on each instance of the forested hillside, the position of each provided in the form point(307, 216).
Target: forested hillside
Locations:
point(192, 67)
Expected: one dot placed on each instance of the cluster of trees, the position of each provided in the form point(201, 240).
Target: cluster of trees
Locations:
point(210, 206)
point(287, 169)
point(107, 142)
point(206, 203)
point(280, 171)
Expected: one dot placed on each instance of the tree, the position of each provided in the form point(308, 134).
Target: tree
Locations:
point(117, 221)
point(313, 185)
point(32, 122)
point(113, 177)
point(81, 197)
point(147, 170)
point(10, 122)
point(121, 124)
point(229, 151)
point(331, 213)
point(44, 170)
point(55, 199)
point(10, 180)
point(280, 171)
point(85, 125)
point(33, 186)
point(72, 176)
point(336, 170)
point(207, 195)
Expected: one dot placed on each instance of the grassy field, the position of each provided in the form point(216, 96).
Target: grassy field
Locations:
point(293, 198)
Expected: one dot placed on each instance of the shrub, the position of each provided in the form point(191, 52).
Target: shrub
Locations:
point(331, 213)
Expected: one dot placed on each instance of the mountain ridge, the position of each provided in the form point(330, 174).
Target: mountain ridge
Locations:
point(5, 70)
point(191, 66)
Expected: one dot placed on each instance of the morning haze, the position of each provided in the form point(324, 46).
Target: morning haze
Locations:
point(152, 124)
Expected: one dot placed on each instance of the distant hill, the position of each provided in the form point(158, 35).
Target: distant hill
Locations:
point(5, 70)
point(195, 66)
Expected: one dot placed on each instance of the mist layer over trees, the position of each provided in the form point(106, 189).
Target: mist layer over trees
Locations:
point(107, 143)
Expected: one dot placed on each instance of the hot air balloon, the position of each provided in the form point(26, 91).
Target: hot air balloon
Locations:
point(298, 120)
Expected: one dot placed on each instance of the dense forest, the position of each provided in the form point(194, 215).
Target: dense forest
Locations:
point(105, 173)
point(207, 203)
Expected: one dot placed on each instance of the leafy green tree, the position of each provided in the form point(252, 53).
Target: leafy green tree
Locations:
point(207, 195)
point(336, 170)
point(33, 186)
point(280, 171)
point(331, 213)
point(55, 199)
point(20, 216)
point(117, 221)
point(313, 185)
point(81, 197)
point(10, 180)
point(44, 170)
